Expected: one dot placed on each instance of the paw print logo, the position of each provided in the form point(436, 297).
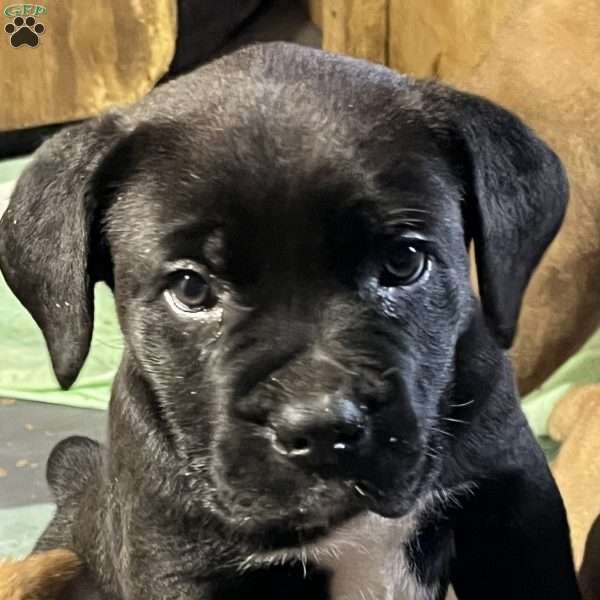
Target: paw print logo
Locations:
point(24, 31)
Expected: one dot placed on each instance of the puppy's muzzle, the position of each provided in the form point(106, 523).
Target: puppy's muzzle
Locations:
point(328, 423)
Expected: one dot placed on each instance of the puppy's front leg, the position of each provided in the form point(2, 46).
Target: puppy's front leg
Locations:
point(512, 540)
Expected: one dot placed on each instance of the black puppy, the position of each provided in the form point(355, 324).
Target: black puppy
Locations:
point(308, 378)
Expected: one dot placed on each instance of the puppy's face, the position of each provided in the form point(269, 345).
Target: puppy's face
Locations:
point(291, 273)
point(296, 322)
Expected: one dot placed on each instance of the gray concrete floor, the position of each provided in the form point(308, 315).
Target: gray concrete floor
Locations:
point(28, 431)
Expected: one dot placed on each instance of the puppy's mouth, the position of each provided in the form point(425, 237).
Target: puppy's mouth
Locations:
point(312, 512)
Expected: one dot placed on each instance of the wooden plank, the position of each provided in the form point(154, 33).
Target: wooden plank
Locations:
point(441, 37)
point(356, 27)
point(91, 55)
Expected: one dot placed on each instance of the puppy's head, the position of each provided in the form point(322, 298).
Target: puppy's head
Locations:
point(286, 234)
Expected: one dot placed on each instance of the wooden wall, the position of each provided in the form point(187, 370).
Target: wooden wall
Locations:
point(91, 55)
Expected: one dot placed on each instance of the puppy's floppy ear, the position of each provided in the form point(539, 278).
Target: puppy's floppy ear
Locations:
point(49, 252)
point(517, 193)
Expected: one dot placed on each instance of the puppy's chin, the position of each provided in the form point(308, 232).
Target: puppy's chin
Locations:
point(312, 512)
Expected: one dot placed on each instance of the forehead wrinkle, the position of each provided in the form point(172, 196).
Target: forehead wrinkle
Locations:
point(420, 192)
point(178, 240)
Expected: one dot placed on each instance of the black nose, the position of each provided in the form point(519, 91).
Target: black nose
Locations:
point(321, 430)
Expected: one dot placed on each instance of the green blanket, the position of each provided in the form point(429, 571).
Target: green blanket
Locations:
point(25, 370)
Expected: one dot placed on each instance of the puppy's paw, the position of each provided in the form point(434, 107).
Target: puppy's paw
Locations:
point(43, 576)
point(72, 464)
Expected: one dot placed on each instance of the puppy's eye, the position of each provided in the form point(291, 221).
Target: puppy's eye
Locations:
point(405, 267)
point(190, 291)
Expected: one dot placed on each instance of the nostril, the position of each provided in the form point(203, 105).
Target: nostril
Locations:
point(369, 405)
point(299, 445)
point(349, 437)
point(292, 446)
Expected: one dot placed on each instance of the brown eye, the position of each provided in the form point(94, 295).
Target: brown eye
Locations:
point(405, 267)
point(190, 291)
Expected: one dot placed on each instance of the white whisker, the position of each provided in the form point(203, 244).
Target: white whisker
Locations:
point(442, 431)
point(468, 403)
point(453, 420)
